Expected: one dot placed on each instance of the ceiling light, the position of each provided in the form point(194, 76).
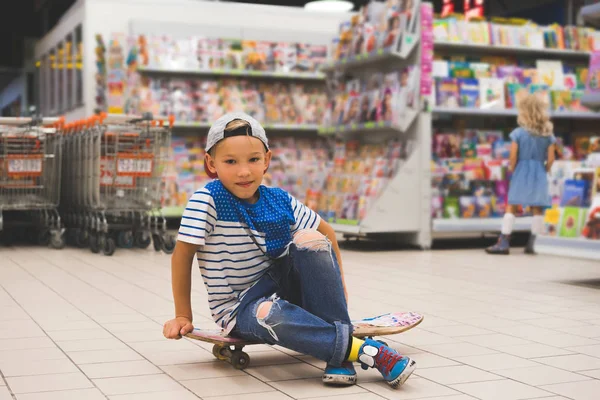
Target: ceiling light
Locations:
point(329, 5)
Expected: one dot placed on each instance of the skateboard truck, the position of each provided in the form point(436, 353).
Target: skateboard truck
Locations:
point(234, 355)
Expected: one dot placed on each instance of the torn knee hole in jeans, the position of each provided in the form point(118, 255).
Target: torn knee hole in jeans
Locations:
point(312, 240)
point(271, 302)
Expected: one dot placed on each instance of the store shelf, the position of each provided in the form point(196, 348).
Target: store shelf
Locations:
point(591, 100)
point(511, 50)
point(347, 229)
point(568, 247)
point(371, 127)
point(477, 225)
point(237, 73)
point(591, 14)
point(268, 127)
point(511, 113)
point(172, 212)
point(378, 59)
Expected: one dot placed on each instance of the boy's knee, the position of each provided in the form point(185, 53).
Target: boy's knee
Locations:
point(263, 309)
point(311, 240)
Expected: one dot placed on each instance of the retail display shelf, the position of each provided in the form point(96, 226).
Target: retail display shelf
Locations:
point(591, 100)
point(568, 247)
point(347, 229)
point(520, 50)
point(513, 112)
point(477, 225)
point(235, 72)
point(591, 14)
point(377, 59)
point(268, 127)
point(172, 212)
point(368, 127)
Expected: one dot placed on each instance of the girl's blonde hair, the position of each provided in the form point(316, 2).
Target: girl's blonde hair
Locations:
point(533, 116)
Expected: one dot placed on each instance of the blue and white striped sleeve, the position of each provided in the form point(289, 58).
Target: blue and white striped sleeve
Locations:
point(304, 217)
point(199, 218)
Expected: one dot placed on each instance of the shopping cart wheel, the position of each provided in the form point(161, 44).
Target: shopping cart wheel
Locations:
point(82, 239)
point(57, 240)
point(167, 243)
point(109, 246)
point(44, 237)
point(157, 242)
point(125, 239)
point(94, 243)
point(142, 240)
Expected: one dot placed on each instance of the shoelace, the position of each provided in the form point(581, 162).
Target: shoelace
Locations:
point(387, 359)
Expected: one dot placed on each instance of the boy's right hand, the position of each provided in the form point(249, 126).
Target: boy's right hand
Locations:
point(177, 328)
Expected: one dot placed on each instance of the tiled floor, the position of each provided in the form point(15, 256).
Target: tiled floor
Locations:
point(74, 325)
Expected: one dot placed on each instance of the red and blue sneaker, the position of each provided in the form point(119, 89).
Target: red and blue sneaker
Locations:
point(395, 368)
point(344, 375)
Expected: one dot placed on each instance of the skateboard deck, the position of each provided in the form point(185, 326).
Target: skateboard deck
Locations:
point(229, 348)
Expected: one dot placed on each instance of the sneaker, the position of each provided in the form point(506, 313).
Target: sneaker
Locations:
point(395, 368)
point(529, 249)
point(344, 375)
point(502, 247)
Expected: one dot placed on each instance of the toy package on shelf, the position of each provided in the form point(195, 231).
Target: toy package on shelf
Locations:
point(378, 25)
point(380, 98)
point(501, 84)
point(470, 174)
point(184, 173)
point(515, 33)
point(358, 175)
point(205, 100)
point(299, 166)
point(204, 53)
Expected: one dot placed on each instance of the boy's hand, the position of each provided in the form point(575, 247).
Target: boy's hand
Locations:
point(177, 328)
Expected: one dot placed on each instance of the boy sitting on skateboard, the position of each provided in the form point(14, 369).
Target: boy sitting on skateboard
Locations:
point(270, 265)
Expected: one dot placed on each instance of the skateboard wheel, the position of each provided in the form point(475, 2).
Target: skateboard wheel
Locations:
point(220, 352)
point(240, 360)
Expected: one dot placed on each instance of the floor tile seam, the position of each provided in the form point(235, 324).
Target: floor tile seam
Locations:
point(52, 340)
point(3, 378)
point(166, 280)
point(167, 298)
point(91, 318)
point(62, 373)
point(108, 295)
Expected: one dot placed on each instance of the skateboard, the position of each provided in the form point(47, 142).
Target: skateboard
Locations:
point(230, 349)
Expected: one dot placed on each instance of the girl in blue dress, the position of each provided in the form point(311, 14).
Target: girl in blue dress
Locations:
point(531, 157)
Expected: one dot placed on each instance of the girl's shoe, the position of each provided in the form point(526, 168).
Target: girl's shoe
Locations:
point(529, 248)
point(344, 375)
point(395, 368)
point(502, 247)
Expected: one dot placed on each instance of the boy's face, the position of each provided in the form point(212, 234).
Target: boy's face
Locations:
point(240, 162)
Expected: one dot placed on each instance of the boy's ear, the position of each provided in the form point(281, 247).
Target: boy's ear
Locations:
point(268, 156)
point(209, 166)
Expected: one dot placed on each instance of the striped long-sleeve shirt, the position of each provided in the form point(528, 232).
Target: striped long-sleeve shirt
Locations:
point(231, 260)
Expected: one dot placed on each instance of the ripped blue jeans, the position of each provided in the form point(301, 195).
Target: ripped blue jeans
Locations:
point(309, 313)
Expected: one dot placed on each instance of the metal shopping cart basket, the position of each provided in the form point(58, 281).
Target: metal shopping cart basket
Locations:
point(30, 163)
point(113, 182)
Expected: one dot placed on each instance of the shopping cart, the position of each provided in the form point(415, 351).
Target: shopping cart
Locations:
point(30, 163)
point(112, 177)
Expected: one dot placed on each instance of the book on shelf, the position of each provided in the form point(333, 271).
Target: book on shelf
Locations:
point(515, 33)
point(378, 98)
point(502, 86)
point(377, 25)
